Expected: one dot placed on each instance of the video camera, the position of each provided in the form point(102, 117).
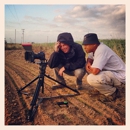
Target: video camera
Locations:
point(30, 55)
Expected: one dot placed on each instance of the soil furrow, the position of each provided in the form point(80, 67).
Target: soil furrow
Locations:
point(16, 79)
point(82, 109)
point(45, 117)
point(88, 112)
point(14, 103)
point(110, 113)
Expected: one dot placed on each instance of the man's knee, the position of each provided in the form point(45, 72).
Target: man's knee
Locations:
point(92, 79)
point(79, 73)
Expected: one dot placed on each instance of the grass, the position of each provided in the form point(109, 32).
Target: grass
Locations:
point(117, 45)
point(13, 46)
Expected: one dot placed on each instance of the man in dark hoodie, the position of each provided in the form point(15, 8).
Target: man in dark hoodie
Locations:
point(68, 57)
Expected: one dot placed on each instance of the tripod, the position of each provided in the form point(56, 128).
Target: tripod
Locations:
point(40, 83)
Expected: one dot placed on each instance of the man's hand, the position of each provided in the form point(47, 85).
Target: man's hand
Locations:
point(88, 67)
point(57, 46)
point(92, 70)
point(61, 71)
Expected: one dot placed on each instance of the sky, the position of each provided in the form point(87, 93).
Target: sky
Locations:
point(41, 23)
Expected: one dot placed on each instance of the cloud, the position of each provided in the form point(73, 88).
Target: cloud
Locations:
point(95, 18)
point(81, 11)
point(65, 19)
point(34, 20)
point(108, 21)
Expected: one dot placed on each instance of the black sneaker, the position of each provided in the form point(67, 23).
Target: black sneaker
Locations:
point(93, 92)
point(109, 98)
point(57, 86)
point(102, 98)
point(114, 95)
point(79, 87)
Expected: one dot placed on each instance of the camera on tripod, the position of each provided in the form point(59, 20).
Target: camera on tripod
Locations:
point(36, 100)
point(30, 56)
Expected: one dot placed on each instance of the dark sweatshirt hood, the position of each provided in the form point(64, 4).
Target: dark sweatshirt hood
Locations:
point(66, 38)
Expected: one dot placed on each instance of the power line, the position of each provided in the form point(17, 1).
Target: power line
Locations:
point(14, 15)
point(11, 11)
point(17, 16)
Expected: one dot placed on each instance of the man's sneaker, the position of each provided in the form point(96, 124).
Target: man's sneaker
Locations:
point(113, 96)
point(109, 98)
point(93, 92)
point(57, 86)
point(102, 98)
point(78, 87)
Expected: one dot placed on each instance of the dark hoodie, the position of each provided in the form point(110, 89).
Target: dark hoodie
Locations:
point(72, 60)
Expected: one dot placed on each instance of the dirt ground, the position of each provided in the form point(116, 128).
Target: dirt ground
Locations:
point(81, 110)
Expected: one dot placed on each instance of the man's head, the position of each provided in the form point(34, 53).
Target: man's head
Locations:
point(65, 40)
point(90, 42)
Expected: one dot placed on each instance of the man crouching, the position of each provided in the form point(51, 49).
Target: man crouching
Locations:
point(106, 70)
point(68, 57)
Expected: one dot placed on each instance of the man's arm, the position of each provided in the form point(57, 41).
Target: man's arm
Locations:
point(54, 58)
point(90, 69)
point(80, 59)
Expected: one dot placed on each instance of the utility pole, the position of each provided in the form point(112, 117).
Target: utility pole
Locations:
point(47, 39)
point(15, 36)
point(10, 40)
point(23, 34)
point(21, 40)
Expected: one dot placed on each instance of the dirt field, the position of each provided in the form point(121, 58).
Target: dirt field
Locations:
point(82, 109)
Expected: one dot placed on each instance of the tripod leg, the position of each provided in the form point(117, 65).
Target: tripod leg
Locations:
point(28, 84)
point(31, 113)
point(62, 84)
point(42, 84)
point(36, 93)
point(33, 104)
